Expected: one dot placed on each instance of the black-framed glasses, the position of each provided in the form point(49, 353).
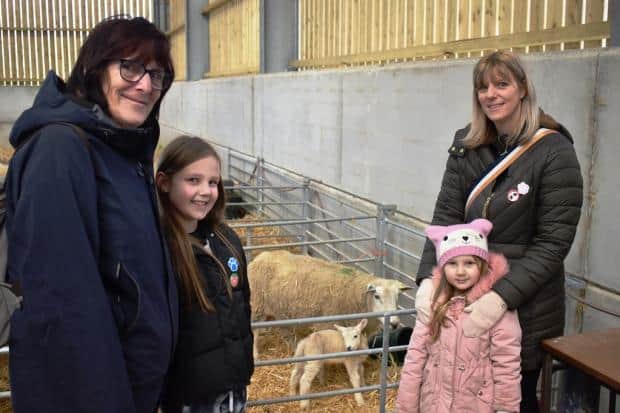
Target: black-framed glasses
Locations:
point(133, 71)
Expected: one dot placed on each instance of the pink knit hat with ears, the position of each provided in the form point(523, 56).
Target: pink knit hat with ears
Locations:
point(463, 239)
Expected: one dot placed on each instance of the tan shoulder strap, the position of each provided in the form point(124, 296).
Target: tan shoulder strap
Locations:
point(494, 173)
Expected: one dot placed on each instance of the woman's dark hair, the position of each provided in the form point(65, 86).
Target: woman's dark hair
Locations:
point(115, 38)
point(179, 153)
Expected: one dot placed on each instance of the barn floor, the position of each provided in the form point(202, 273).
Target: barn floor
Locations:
point(272, 381)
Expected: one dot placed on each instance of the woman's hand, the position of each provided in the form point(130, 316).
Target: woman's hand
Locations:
point(484, 313)
point(423, 299)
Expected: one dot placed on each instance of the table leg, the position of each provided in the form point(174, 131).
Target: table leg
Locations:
point(547, 374)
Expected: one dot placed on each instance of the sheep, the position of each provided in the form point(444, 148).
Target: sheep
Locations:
point(233, 195)
point(286, 286)
point(330, 341)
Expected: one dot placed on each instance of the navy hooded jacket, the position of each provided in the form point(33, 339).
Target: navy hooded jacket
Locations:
point(99, 319)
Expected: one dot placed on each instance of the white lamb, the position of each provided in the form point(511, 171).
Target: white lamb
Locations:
point(330, 341)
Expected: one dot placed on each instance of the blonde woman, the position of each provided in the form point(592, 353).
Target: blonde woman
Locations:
point(534, 205)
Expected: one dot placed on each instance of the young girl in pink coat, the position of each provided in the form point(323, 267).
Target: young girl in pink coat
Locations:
point(445, 371)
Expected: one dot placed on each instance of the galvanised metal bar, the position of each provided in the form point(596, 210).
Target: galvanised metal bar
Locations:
point(292, 322)
point(262, 203)
point(348, 224)
point(311, 396)
point(383, 212)
point(384, 362)
point(402, 251)
point(283, 187)
point(385, 350)
point(295, 244)
point(396, 270)
point(306, 213)
point(327, 356)
point(298, 221)
point(353, 261)
point(333, 248)
point(405, 228)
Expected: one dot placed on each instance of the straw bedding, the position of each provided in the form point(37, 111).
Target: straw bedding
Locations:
point(267, 235)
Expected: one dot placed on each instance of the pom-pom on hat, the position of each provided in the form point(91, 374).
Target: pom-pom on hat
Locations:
point(462, 239)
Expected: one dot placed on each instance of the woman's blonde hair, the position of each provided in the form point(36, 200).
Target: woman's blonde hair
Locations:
point(502, 65)
point(441, 300)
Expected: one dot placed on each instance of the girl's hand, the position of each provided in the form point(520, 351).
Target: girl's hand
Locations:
point(423, 299)
point(485, 312)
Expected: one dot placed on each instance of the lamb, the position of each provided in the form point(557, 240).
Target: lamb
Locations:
point(330, 341)
point(286, 286)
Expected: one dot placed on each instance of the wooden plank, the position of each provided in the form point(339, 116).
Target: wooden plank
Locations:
point(237, 72)
point(520, 21)
point(213, 5)
point(555, 16)
point(570, 33)
point(537, 23)
point(419, 7)
point(476, 16)
point(368, 26)
point(594, 13)
point(451, 20)
point(504, 16)
point(410, 29)
point(440, 30)
point(573, 16)
point(429, 21)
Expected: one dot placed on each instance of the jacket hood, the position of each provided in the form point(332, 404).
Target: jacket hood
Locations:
point(53, 105)
point(498, 267)
point(547, 121)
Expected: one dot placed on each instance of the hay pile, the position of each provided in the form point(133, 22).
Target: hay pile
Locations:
point(267, 235)
point(5, 154)
point(5, 404)
point(272, 382)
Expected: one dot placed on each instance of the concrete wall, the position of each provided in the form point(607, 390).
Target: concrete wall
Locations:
point(13, 101)
point(383, 133)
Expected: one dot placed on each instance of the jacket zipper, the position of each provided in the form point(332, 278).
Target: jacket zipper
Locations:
point(485, 208)
point(458, 339)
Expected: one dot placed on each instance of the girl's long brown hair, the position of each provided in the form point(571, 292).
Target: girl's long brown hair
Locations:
point(181, 152)
point(441, 300)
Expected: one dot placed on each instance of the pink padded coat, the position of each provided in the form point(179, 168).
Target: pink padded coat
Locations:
point(462, 374)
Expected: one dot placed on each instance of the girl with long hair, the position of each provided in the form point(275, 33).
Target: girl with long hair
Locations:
point(213, 360)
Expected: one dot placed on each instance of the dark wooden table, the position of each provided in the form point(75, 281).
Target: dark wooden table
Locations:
point(595, 353)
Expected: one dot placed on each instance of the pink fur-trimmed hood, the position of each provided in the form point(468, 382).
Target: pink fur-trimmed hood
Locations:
point(498, 267)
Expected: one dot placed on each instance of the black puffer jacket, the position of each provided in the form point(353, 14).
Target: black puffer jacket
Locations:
point(214, 350)
point(534, 232)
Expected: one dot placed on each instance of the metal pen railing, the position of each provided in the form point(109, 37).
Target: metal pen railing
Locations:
point(385, 350)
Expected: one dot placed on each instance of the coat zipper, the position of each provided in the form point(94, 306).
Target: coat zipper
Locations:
point(485, 208)
point(458, 340)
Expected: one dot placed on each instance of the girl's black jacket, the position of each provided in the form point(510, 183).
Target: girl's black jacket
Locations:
point(214, 350)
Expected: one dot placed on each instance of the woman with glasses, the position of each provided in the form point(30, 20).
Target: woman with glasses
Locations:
point(98, 321)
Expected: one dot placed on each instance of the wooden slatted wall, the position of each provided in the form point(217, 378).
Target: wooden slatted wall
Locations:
point(341, 32)
point(177, 37)
point(234, 37)
point(38, 35)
